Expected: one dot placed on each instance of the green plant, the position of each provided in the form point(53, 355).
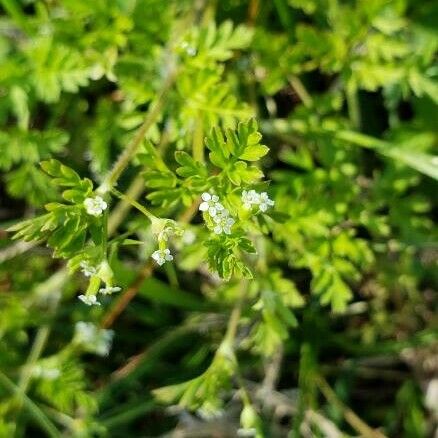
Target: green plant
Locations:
point(214, 180)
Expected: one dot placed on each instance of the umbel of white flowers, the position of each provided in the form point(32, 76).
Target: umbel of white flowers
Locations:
point(251, 198)
point(223, 222)
point(162, 256)
point(211, 204)
point(92, 338)
point(220, 215)
point(95, 206)
point(89, 300)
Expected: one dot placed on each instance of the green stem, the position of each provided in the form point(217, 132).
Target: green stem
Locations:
point(353, 105)
point(198, 141)
point(122, 163)
point(135, 204)
point(32, 408)
point(301, 90)
point(355, 422)
point(122, 208)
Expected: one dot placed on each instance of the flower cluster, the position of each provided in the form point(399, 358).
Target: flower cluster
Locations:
point(162, 256)
point(251, 198)
point(89, 300)
point(95, 206)
point(218, 213)
point(108, 290)
point(87, 269)
point(223, 222)
point(92, 338)
point(211, 204)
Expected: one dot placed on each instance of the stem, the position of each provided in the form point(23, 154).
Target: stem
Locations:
point(122, 208)
point(357, 423)
point(353, 105)
point(135, 204)
point(122, 163)
point(301, 90)
point(233, 322)
point(33, 409)
point(198, 141)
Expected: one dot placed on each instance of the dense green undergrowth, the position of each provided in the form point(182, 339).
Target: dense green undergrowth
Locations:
point(218, 218)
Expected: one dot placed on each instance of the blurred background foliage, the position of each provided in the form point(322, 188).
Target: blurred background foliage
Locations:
point(345, 94)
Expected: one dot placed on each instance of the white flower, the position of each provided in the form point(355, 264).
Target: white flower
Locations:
point(265, 202)
point(92, 338)
point(211, 204)
point(87, 269)
point(223, 222)
point(95, 206)
point(162, 256)
point(250, 198)
point(89, 300)
point(108, 290)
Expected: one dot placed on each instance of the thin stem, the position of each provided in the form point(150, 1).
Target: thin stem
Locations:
point(233, 322)
point(301, 90)
point(33, 409)
point(122, 163)
point(357, 423)
point(135, 204)
point(198, 141)
point(121, 210)
point(353, 105)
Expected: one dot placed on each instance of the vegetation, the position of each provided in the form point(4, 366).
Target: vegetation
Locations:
point(217, 218)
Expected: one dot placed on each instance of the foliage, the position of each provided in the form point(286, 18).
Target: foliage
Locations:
point(238, 195)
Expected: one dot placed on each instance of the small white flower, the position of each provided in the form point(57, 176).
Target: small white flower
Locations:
point(211, 204)
point(95, 206)
point(223, 222)
point(108, 290)
point(87, 269)
point(89, 300)
point(265, 202)
point(250, 198)
point(162, 256)
point(92, 338)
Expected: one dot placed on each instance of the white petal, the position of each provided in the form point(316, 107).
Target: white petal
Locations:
point(169, 257)
point(217, 229)
point(212, 211)
point(219, 206)
point(215, 198)
point(206, 196)
point(203, 206)
point(263, 207)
